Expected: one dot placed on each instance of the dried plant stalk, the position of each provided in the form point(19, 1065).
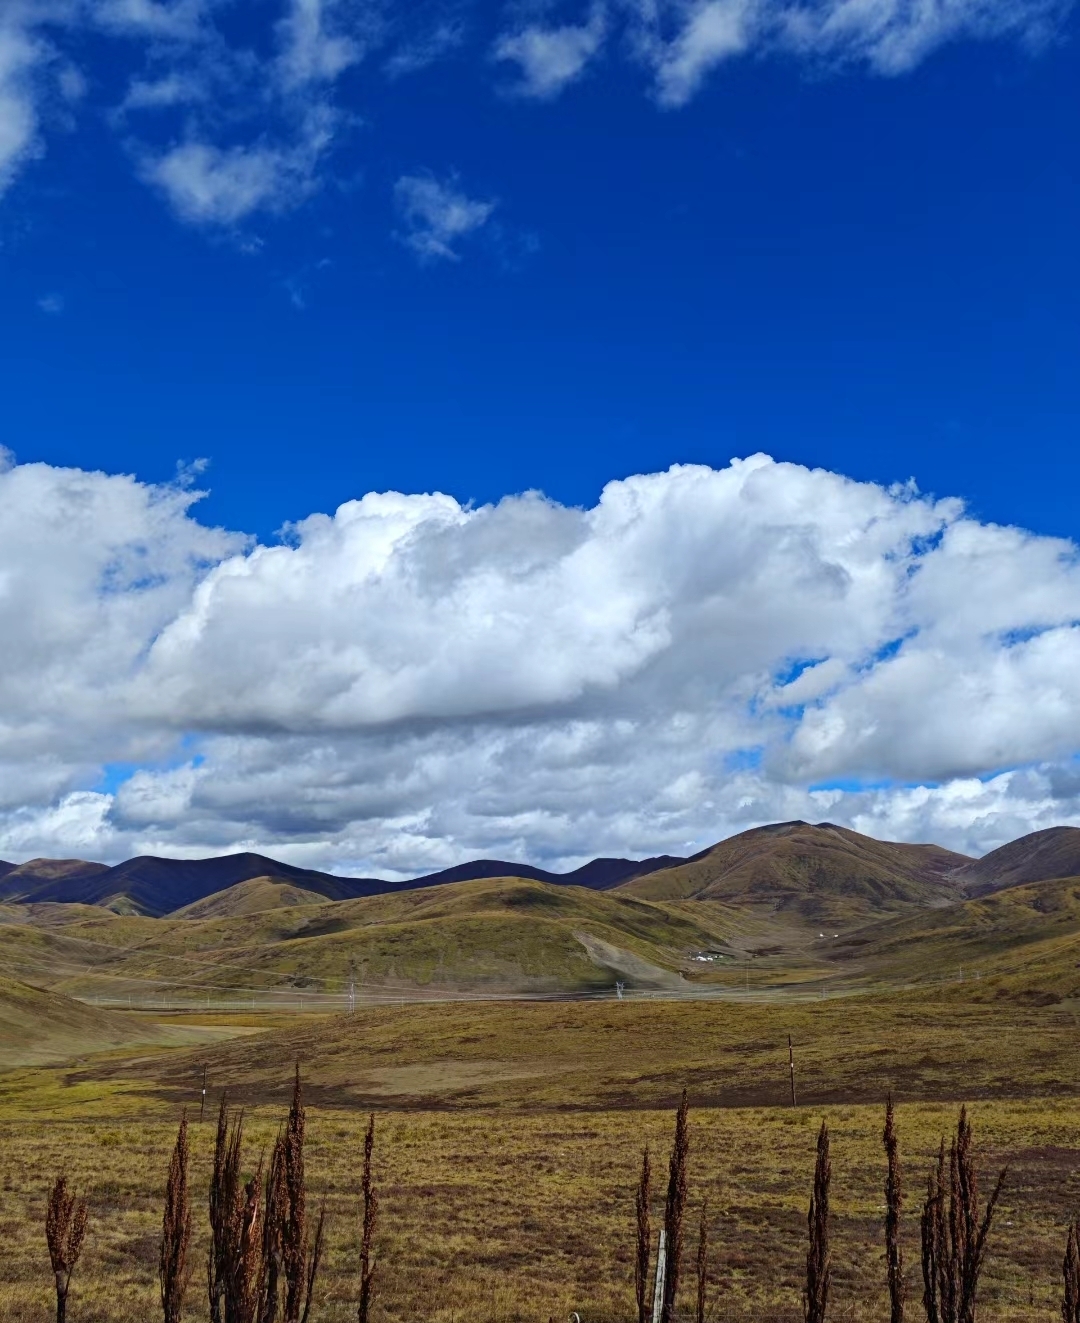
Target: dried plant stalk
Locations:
point(65, 1230)
point(276, 1207)
point(175, 1231)
point(818, 1258)
point(643, 1247)
point(1070, 1268)
point(702, 1262)
point(953, 1236)
point(367, 1230)
point(234, 1269)
point(294, 1228)
point(894, 1199)
point(218, 1201)
point(674, 1210)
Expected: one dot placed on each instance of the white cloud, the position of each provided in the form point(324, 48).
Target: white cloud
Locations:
point(436, 214)
point(713, 31)
point(21, 57)
point(227, 126)
point(314, 46)
point(408, 682)
point(551, 58)
point(892, 36)
point(221, 186)
point(429, 46)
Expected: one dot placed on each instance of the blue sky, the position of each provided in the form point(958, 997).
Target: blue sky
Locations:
point(291, 253)
point(839, 260)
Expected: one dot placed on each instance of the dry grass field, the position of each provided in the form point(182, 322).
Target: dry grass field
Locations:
point(508, 1144)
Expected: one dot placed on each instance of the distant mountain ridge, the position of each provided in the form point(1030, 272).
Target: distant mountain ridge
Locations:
point(156, 886)
point(821, 871)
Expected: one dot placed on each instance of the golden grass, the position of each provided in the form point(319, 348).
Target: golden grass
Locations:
point(508, 1149)
point(488, 1215)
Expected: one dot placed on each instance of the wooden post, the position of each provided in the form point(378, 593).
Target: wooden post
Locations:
point(791, 1063)
point(661, 1273)
point(202, 1104)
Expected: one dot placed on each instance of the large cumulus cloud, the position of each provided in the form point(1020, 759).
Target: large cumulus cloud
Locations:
point(409, 681)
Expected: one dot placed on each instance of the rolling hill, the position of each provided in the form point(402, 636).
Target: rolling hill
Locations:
point(508, 934)
point(155, 886)
point(1020, 943)
point(1054, 852)
point(818, 873)
point(38, 1026)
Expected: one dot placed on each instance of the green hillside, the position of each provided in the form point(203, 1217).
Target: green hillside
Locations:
point(1021, 943)
point(495, 934)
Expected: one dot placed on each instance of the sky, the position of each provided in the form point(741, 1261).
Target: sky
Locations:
point(536, 431)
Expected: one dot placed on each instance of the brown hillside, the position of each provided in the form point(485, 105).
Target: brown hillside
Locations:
point(818, 872)
point(1038, 857)
point(254, 896)
point(38, 1026)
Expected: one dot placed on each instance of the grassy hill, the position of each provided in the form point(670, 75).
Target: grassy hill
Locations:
point(495, 934)
point(819, 873)
point(1036, 857)
point(251, 897)
point(38, 1027)
point(1021, 943)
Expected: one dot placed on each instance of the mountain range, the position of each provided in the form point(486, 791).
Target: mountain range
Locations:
point(789, 865)
point(151, 885)
point(787, 907)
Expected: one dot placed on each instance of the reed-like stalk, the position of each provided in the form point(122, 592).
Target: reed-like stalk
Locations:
point(218, 1199)
point(300, 1258)
point(1070, 1268)
point(818, 1257)
point(702, 1265)
point(65, 1230)
point(953, 1234)
point(175, 1231)
point(367, 1228)
point(674, 1210)
point(643, 1245)
point(894, 1199)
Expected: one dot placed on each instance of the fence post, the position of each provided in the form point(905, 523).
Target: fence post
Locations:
point(661, 1273)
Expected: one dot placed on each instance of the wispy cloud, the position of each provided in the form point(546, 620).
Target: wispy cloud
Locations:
point(222, 186)
point(551, 58)
point(436, 214)
point(227, 126)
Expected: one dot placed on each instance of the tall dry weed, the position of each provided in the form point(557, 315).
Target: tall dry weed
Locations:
point(369, 1219)
point(1070, 1268)
point(300, 1257)
point(894, 1200)
point(818, 1256)
point(953, 1235)
point(173, 1270)
point(675, 1209)
point(702, 1264)
point(65, 1230)
point(643, 1245)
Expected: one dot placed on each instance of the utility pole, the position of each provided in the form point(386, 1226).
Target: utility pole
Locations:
point(791, 1063)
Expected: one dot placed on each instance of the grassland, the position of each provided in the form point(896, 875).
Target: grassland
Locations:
point(509, 1136)
point(509, 1131)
